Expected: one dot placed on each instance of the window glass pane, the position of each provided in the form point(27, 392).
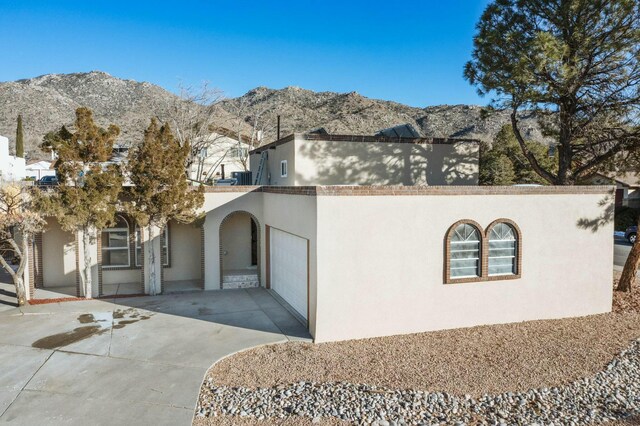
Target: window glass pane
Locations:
point(465, 232)
point(501, 270)
point(502, 250)
point(120, 223)
point(465, 251)
point(118, 257)
point(117, 239)
point(464, 263)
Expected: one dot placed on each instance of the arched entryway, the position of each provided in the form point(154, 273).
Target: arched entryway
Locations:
point(240, 251)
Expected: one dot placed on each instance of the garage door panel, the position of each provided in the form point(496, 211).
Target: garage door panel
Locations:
point(288, 268)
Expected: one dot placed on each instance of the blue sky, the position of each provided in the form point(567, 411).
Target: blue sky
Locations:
point(406, 51)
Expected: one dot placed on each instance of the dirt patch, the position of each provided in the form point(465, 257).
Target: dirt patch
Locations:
point(69, 337)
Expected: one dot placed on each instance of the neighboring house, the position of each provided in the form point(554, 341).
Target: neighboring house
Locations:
point(220, 155)
point(323, 159)
point(380, 258)
point(12, 168)
point(627, 186)
point(39, 169)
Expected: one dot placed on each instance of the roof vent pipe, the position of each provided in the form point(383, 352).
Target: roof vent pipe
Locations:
point(278, 131)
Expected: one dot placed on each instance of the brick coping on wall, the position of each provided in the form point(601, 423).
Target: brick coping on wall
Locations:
point(360, 138)
point(352, 190)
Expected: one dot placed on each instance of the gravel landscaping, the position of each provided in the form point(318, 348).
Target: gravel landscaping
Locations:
point(578, 370)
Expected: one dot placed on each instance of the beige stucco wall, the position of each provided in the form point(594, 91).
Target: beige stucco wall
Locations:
point(380, 263)
point(217, 206)
point(271, 174)
point(296, 214)
point(374, 163)
point(59, 256)
point(121, 276)
point(185, 252)
point(235, 242)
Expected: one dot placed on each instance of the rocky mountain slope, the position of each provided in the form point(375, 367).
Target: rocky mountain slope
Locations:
point(48, 101)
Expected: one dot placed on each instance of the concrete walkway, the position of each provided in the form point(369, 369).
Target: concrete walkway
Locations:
point(139, 360)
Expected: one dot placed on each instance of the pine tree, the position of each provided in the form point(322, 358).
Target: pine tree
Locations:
point(505, 164)
point(574, 64)
point(86, 198)
point(159, 193)
point(19, 138)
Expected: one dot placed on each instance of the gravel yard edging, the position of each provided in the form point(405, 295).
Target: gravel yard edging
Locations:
point(611, 394)
point(204, 379)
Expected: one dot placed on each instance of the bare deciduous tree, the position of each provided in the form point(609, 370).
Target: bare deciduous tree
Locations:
point(19, 221)
point(257, 123)
point(192, 116)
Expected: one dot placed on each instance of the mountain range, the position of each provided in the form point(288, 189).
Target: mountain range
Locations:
point(49, 101)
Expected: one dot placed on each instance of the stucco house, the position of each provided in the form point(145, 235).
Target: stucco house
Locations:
point(362, 236)
point(221, 154)
point(12, 168)
point(38, 169)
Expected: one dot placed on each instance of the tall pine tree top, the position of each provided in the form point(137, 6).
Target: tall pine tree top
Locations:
point(19, 138)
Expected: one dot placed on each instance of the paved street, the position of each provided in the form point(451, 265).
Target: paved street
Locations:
point(127, 361)
point(621, 250)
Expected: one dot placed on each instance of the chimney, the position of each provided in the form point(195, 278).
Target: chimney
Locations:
point(278, 131)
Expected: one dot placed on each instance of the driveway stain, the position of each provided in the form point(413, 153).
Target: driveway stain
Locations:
point(204, 311)
point(86, 331)
point(69, 337)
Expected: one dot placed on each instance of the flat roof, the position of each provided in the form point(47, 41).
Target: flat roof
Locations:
point(360, 138)
point(355, 190)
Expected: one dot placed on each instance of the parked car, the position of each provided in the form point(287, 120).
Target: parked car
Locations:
point(631, 233)
point(48, 181)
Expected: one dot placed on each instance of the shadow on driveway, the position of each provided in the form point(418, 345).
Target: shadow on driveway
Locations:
point(119, 361)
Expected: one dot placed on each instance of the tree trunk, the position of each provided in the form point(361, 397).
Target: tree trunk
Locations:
point(630, 267)
point(86, 252)
point(152, 254)
point(21, 291)
point(18, 275)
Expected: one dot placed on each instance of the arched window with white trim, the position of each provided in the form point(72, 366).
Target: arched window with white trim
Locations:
point(464, 251)
point(503, 250)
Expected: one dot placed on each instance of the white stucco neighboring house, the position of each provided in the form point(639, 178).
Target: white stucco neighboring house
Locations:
point(12, 168)
point(39, 169)
point(364, 236)
point(221, 154)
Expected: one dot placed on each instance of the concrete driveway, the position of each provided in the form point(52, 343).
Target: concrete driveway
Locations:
point(127, 361)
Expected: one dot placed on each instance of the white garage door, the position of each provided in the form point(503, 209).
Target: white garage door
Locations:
point(288, 264)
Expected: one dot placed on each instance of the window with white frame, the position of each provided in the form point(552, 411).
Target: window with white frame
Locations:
point(283, 168)
point(164, 244)
point(238, 152)
point(115, 244)
point(465, 251)
point(503, 246)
